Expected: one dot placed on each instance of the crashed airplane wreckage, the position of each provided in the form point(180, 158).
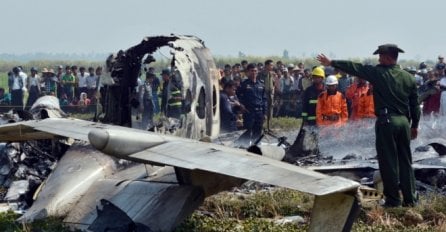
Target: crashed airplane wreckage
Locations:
point(171, 174)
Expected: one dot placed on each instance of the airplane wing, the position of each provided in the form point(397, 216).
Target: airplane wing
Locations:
point(48, 129)
point(242, 164)
point(149, 147)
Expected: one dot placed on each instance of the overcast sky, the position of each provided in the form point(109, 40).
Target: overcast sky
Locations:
point(342, 28)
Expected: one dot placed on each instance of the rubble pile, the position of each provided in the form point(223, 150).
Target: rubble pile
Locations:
point(23, 167)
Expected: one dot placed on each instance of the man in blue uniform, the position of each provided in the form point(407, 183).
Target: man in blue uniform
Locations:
point(253, 97)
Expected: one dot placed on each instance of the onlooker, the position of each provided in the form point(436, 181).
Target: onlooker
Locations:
point(68, 82)
point(16, 85)
point(165, 73)
point(440, 66)
point(228, 116)
point(306, 80)
point(155, 88)
point(267, 78)
point(91, 81)
point(82, 80)
point(227, 75)
point(286, 84)
point(33, 86)
point(59, 75)
point(84, 100)
point(146, 101)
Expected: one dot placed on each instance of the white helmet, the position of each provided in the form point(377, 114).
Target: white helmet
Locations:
point(331, 80)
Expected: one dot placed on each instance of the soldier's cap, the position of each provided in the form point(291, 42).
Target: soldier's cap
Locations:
point(386, 48)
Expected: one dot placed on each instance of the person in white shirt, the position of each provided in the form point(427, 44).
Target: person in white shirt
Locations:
point(16, 86)
point(92, 79)
point(82, 80)
point(33, 86)
point(24, 77)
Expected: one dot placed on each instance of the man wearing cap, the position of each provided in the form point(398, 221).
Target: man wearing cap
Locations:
point(398, 115)
point(50, 81)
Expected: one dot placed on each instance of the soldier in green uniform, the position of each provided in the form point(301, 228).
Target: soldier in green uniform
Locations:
point(398, 115)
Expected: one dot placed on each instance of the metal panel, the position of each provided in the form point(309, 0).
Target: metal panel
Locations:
point(159, 206)
point(242, 164)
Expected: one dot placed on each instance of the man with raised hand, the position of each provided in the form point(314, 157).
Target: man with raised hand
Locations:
point(398, 115)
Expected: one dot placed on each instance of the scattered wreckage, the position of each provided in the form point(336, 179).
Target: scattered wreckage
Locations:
point(94, 188)
point(350, 152)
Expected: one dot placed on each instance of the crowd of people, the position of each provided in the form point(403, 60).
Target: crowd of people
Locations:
point(72, 85)
point(320, 95)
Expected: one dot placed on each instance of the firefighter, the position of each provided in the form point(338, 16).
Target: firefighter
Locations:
point(361, 96)
point(331, 107)
point(175, 96)
point(366, 106)
point(310, 96)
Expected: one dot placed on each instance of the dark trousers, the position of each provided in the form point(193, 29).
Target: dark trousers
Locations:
point(147, 114)
point(174, 111)
point(253, 123)
point(33, 95)
point(17, 97)
point(395, 160)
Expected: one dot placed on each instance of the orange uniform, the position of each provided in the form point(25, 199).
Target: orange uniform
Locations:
point(331, 109)
point(366, 107)
point(362, 101)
